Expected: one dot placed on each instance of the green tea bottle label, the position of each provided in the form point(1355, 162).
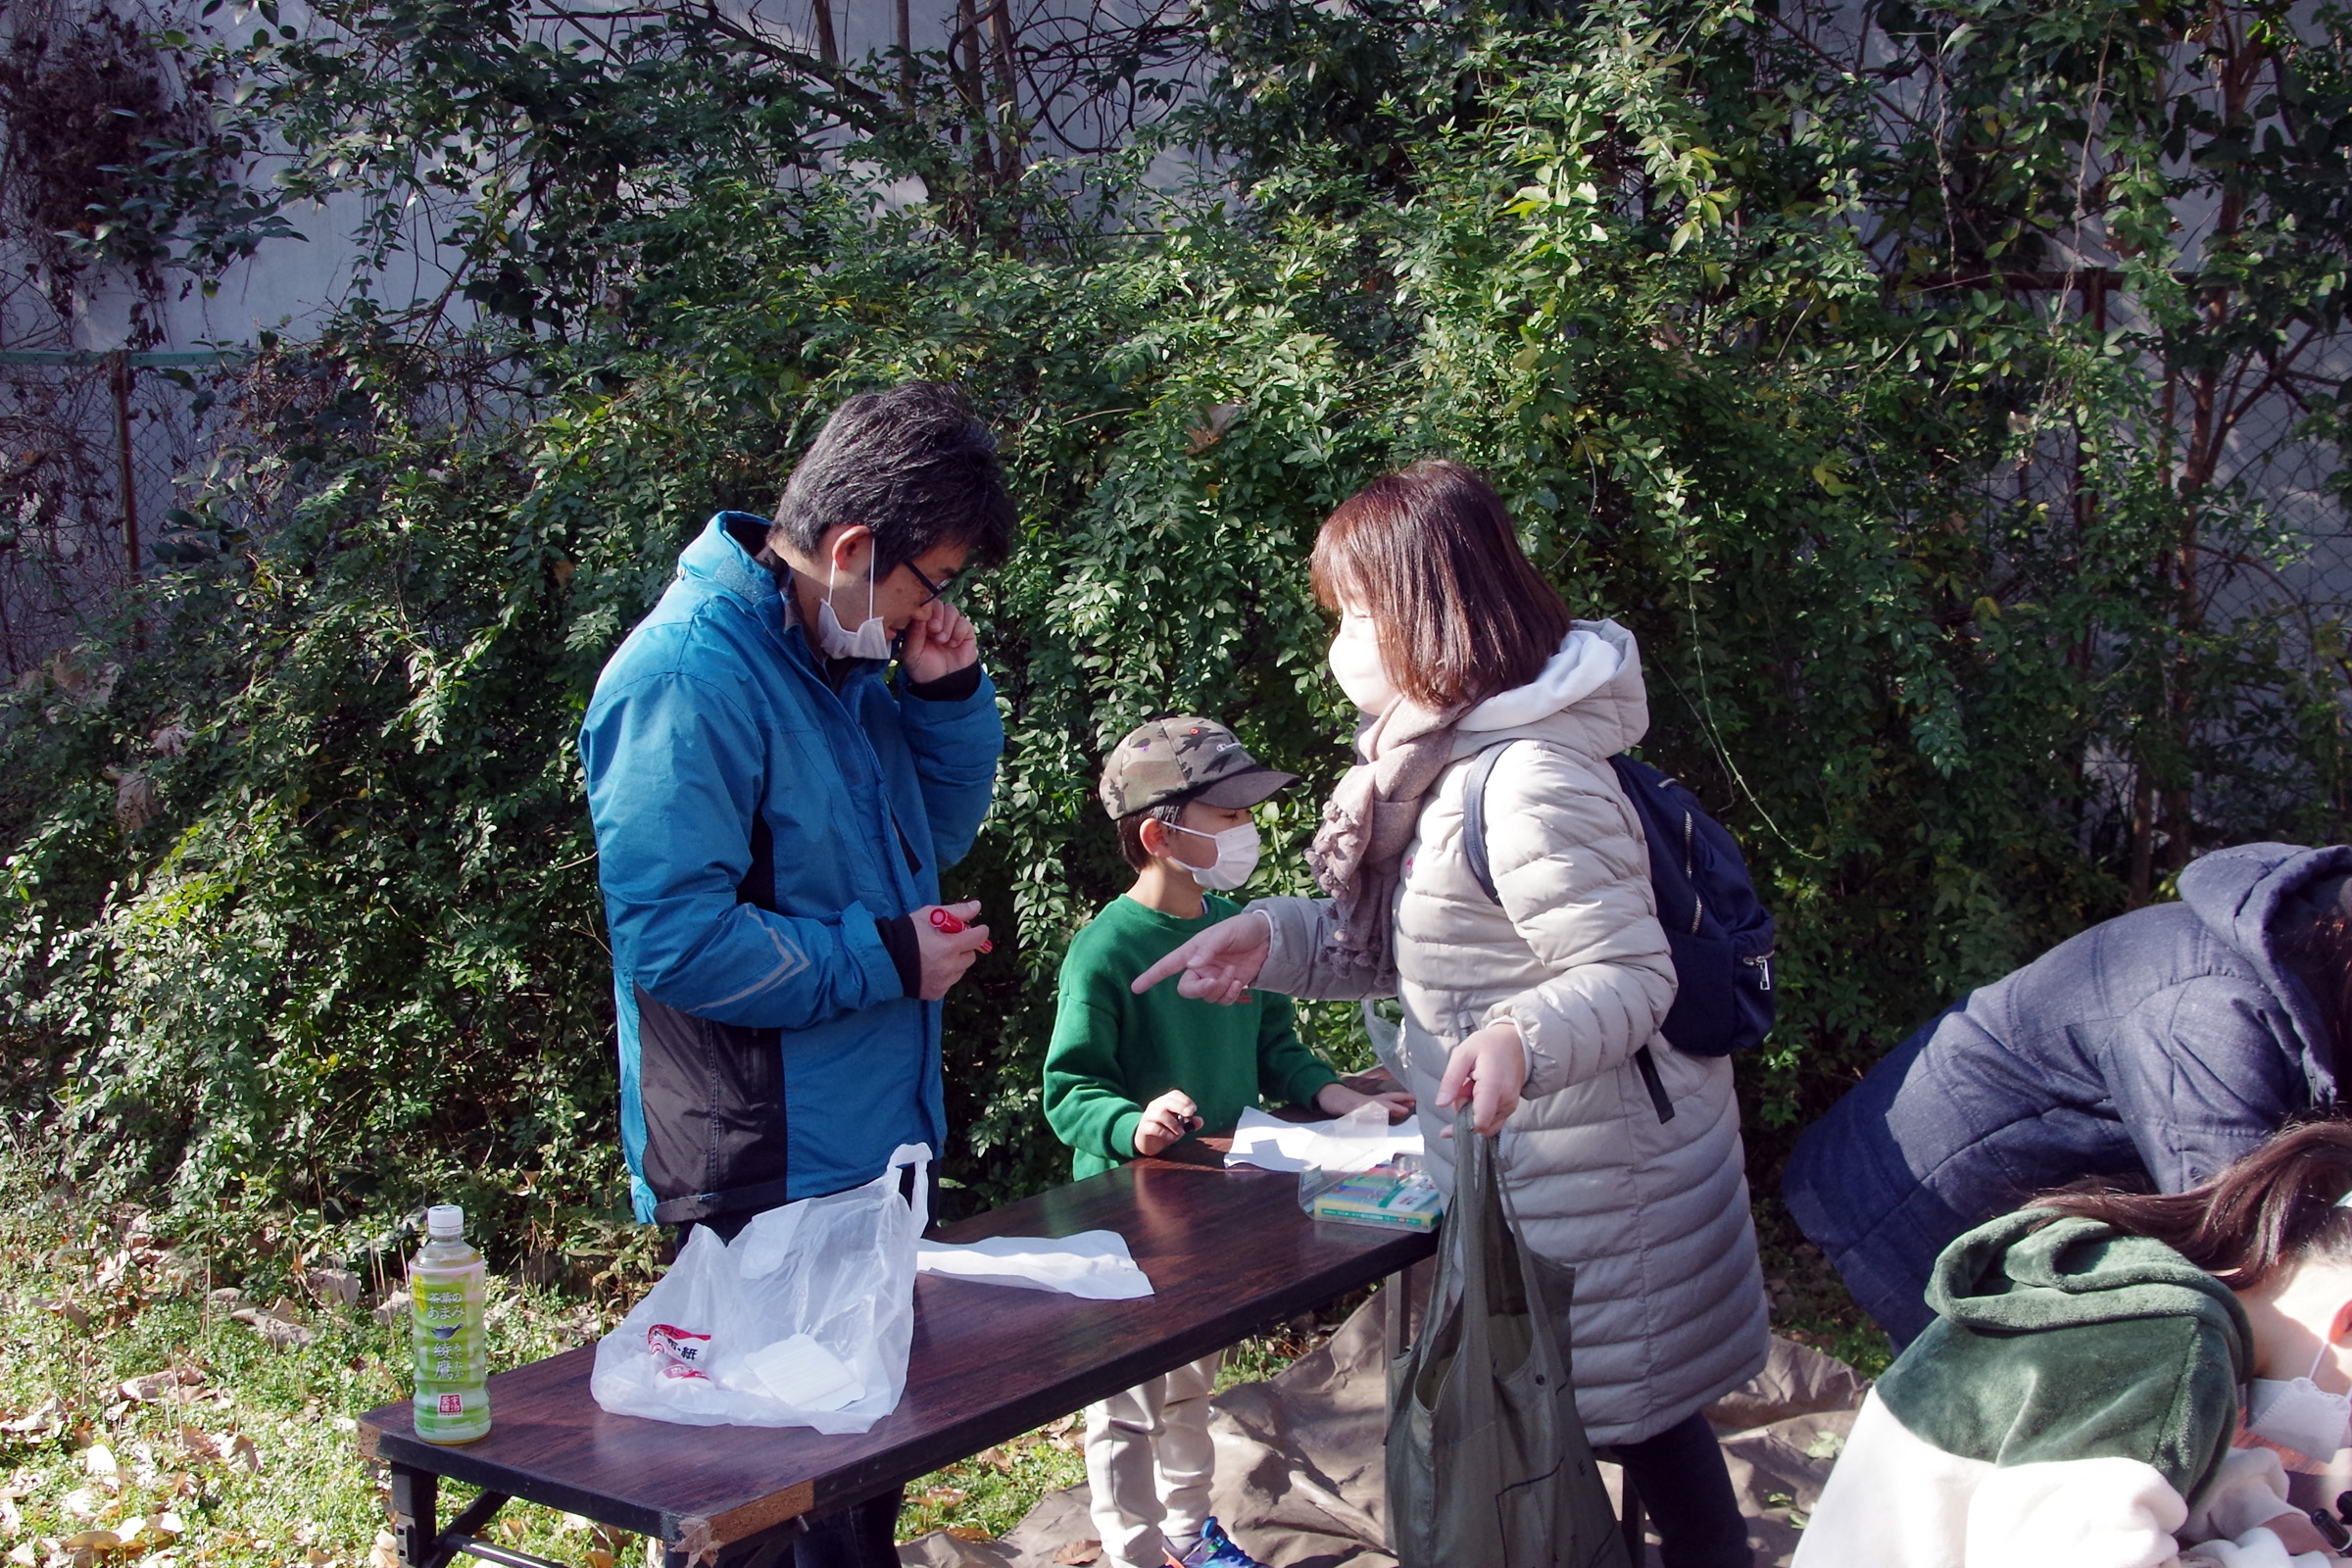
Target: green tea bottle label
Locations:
point(446, 1289)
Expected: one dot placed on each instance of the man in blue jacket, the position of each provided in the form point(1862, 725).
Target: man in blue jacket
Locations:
point(773, 807)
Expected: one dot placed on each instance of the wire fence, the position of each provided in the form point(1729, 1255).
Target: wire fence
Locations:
point(92, 450)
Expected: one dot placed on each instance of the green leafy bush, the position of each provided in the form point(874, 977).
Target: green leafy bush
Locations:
point(330, 942)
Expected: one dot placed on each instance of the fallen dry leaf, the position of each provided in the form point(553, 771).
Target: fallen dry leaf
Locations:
point(93, 1541)
point(64, 1310)
point(597, 1558)
point(283, 1331)
point(99, 1460)
point(153, 1386)
point(942, 1498)
point(385, 1553)
point(996, 1457)
point(968, 1533)
point(221, 1447)
point(1080, 1551)
point(43, 1421)
point(337, 1285)
point(22, 1554)
point(83, 1503)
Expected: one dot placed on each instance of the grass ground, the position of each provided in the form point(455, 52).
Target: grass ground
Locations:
point(141, 1422)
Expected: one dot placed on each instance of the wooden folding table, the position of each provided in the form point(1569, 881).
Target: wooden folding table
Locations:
point(1228, 1251)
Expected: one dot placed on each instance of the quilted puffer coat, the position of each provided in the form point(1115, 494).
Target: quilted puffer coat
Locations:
point(1653, 1213)
point(2160, 1046)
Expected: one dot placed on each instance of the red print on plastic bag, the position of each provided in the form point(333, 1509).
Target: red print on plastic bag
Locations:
point(682, 1351)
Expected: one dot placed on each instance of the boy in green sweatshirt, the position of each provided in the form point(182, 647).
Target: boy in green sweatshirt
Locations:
point(1129, 1076)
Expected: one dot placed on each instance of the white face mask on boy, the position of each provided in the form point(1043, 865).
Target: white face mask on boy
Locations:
point(2298, 1414)
point(872, 639)
point(1356, 663)
point(1237, 857)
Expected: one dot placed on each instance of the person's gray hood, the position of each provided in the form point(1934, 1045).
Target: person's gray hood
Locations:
point(2239, 892)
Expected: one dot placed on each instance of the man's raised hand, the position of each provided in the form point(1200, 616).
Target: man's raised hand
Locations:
point(939, 644)
point(1220, 965)
point(947, 947)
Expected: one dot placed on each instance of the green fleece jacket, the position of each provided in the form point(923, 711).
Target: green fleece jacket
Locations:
point(2073, 1399)
point(1114, 1052)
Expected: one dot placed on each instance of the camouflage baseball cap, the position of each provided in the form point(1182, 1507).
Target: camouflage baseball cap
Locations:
point(1185, 759)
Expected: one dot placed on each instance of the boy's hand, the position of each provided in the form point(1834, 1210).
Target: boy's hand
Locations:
point(1166, 1120)
point(946, 954)
point(1220, 965)
point(1488, 1069)
point(1338, 1100)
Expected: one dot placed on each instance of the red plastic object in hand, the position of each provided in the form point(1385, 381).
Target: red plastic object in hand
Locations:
point(944, 921)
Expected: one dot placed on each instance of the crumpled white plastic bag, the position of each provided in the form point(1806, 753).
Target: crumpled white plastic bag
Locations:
point(805, 1320)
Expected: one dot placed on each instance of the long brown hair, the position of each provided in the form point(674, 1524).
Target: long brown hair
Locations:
point(2275, 1207)
point(1429, 553)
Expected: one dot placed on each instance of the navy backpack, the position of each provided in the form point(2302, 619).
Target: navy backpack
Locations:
point(1716, 927)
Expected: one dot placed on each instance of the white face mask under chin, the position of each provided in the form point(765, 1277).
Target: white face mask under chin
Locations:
point(872, 639)
point(1237, 857)
point(2297, 1413)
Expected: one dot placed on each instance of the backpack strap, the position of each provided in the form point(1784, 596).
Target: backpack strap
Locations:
point(1474, 818)
point(1473, 851)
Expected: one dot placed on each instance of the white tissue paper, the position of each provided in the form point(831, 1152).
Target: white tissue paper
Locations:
point(800, 1371)
point(1092, 1264)
point(1357, 1141)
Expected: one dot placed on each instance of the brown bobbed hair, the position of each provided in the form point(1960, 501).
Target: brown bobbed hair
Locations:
point(2274, 1209)
point(1429, 553)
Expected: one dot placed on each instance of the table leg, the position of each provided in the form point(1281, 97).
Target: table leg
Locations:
point(415, 1514)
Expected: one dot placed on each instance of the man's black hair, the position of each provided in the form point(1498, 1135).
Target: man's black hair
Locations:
point(914, 463)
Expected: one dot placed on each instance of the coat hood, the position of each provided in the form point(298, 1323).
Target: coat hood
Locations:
point(2252, 896)
point(2026, 1272)
point(1589, 695)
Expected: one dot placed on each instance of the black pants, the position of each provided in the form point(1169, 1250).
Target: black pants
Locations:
point(1681, 1479)
point(865, 1536)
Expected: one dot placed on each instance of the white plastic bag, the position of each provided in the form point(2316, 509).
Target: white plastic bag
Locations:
point(805, 1321)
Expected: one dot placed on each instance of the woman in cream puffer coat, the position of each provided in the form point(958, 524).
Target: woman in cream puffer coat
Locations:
point(1670, 1310)
point(1653, 1213)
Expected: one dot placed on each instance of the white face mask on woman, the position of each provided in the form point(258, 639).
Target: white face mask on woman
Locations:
point(2298, 1414)
point(1356, 663)
point(1237, 857)
point(872, 639)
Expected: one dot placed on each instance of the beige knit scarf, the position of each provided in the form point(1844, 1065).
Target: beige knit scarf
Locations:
point(1358, 853)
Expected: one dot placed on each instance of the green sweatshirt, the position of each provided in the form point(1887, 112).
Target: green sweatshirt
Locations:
point(1114, 1052)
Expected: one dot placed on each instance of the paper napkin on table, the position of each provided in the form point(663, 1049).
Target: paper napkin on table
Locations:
point(1094, 1264)
point(1357, 1141)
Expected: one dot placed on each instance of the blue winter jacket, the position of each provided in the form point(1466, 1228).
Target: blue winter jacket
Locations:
point(2165, 1042)
point(753, 827)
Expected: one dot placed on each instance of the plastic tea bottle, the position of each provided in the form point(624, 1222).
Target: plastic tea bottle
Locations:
point(446, 1286)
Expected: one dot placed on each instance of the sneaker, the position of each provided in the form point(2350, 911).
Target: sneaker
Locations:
point(1216, 1551)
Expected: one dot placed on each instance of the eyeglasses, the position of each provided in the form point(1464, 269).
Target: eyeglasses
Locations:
point(932, 590)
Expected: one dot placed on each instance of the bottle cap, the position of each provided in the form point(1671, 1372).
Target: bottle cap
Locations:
point(445, 1222)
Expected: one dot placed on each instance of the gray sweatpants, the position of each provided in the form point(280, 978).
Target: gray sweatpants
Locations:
point(1148, 1459)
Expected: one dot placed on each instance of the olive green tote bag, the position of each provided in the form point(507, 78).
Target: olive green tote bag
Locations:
point(1489, 1466)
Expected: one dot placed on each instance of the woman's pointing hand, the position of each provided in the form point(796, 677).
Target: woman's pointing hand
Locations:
point(1220, 965)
